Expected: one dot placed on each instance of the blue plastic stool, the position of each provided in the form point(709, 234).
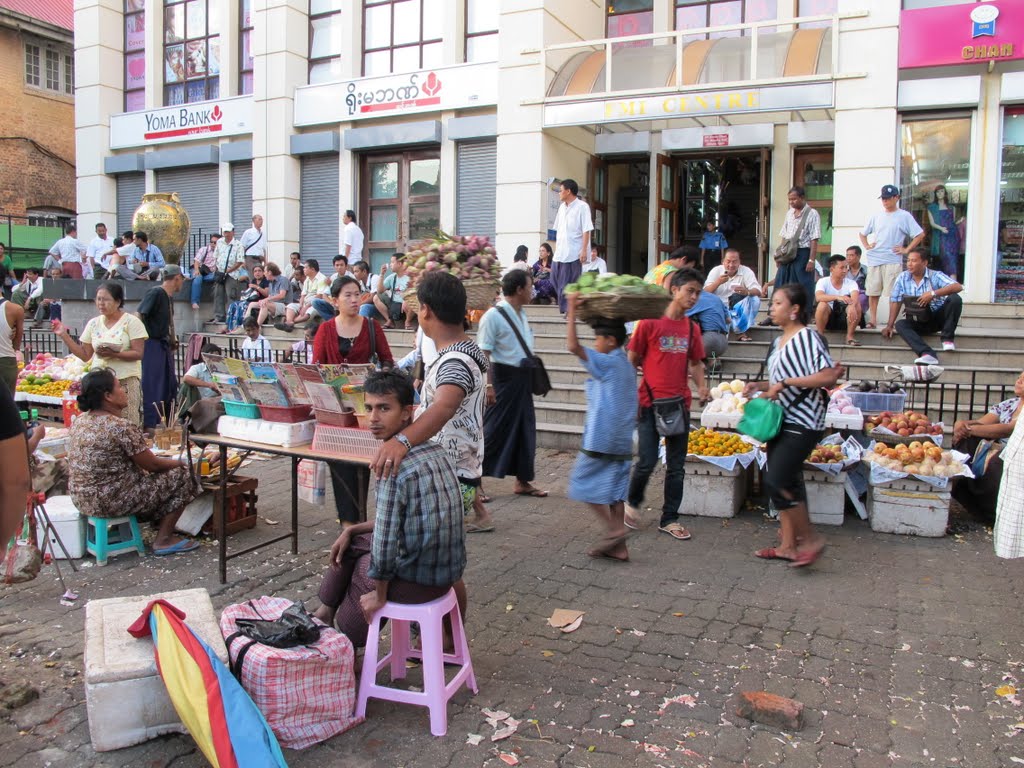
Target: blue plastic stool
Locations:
point(106, 536)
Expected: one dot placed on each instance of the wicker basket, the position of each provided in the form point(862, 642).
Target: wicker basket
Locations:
point(480, 294)
point(621, 306)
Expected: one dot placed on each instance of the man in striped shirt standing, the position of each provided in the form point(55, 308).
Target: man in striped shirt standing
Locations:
point(937, 307)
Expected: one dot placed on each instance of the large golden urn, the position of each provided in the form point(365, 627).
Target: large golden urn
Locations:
point(164, 219)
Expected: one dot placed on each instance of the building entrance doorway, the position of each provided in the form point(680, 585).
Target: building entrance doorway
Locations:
point(400, 201)
point(729, 191)
point(618, 191)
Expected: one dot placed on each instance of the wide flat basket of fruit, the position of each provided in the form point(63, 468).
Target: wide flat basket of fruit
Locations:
point(922, 460)
point(895, 428)
point(723, 449)
point(833, 455)
point(618, 297)
point(470, 258)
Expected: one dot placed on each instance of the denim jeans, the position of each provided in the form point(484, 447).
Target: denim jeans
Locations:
point(675, 469)
point(323, 308)
point(197, 286)
point(370, 311)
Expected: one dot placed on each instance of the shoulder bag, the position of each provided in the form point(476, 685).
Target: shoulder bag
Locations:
point(786, 252)
point(541, 384)
point(764, 420)
point(670, 416)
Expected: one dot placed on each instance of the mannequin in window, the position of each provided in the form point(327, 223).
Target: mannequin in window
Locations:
point(945, 232)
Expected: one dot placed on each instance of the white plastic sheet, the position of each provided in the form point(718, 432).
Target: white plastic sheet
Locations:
point(880, 474)
point(851, 448)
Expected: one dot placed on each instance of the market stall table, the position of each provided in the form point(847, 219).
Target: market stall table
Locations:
point(296, 454)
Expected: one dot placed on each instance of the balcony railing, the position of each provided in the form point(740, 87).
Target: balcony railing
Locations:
point(799, 50)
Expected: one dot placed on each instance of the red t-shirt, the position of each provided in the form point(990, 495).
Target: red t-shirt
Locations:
point(326, 352)
point(664, 348)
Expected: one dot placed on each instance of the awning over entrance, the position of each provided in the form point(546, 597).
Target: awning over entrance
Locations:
point(793, 54)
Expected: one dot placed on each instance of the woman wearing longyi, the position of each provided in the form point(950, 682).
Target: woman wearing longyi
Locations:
point(799, 368)
point(112, 472)
point(352, 339)
point(115, 339)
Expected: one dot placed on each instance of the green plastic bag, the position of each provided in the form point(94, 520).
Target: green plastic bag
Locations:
point(762, 419)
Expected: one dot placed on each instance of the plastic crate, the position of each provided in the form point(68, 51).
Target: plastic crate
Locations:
point(876, 402)
point(335, 419)
point(241, 410)
point(345, 441)
point(288, 414)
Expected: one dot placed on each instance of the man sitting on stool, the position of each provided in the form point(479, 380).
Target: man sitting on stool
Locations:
point(936, 307)
point(838, 300)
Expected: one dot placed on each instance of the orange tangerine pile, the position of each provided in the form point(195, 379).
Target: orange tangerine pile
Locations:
point(708, 442)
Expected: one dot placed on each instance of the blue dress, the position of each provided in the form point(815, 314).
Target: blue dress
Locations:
point(601, 472)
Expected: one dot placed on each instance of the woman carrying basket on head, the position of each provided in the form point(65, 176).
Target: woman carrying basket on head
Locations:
point(799, 368)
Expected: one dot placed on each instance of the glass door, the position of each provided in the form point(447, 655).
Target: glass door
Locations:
point(814, 171)
point(401, 201)
point(597, 188)
point(668, 207)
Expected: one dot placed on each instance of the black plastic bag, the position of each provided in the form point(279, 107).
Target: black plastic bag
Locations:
point(294, 627)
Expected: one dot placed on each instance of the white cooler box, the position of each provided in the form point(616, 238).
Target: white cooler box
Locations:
point(67, 522)
point(710, 491)
point(269, 432)
point(125, 697)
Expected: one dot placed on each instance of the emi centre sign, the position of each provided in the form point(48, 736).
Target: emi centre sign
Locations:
point(692, 104)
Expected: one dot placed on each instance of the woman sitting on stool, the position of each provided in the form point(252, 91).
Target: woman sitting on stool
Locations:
point(114, 474)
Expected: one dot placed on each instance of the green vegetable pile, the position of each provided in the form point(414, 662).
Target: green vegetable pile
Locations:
point(591, 282)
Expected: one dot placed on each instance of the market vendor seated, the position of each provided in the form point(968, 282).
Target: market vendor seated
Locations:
point(112, 471)
point(983, 439)
point(415, 550)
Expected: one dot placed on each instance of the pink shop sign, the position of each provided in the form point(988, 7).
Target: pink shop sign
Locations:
point(971, 33)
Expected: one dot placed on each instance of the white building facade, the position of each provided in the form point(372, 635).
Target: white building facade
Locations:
point(462, 115)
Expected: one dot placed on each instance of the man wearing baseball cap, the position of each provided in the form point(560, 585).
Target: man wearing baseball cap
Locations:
point(891, 227)
point(230, 269)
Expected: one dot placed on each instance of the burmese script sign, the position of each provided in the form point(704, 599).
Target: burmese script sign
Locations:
point(691, 104)
point(187, 122)
point(432, 90)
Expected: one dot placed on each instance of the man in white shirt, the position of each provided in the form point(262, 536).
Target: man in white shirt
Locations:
point(29, 293)
point(891, 227)
point(230, 271)
point(254, 244)
point(738, 288)
point(70, 251)
point(572, 238)
point(595, 263)
point(316, 284)
point(97, 258)
point(352, 238)
point(838, 300)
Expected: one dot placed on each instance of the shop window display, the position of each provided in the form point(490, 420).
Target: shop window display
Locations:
point(134, 55)
point(191, 54)
point(934, 169)
point(1009, 286)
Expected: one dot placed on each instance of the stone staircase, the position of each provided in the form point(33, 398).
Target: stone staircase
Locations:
point(982, 370)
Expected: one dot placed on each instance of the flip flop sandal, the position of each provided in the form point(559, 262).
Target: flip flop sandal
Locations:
point(744, 337)
point(770, 553)
point(631, 522)
point(853, 343)
point(805, 559)
point(477, 528)
point(676, 531)
point(872, 326)
point(484, 498)
point(535, 492)
point(185, 545)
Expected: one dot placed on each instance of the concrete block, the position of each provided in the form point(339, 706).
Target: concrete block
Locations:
point(125, 696)
point(712, 492)
point(769, 709)
point(913, 512)
point(826, 497)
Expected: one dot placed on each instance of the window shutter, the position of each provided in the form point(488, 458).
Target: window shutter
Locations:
point(319, 218)
point(475, 181)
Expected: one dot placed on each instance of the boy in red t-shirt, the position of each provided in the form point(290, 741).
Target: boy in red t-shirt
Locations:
point(669, 350)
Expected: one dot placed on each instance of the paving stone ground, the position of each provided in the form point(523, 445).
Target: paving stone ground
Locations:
point(896, 645)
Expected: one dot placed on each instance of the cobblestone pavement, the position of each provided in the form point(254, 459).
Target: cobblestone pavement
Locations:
point(896, 645)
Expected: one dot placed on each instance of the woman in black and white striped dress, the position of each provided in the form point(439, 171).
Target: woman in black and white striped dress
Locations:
point(799, 368)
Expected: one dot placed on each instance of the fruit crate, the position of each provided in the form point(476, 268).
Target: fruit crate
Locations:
point(876, 402)
point(826, 496)
point(915, 513)
point(710, 491)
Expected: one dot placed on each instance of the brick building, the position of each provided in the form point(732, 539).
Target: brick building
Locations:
point(37, 129)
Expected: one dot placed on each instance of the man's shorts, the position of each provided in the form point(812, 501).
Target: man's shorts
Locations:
point(837, 317)
point(277, 309)
point(881, 279)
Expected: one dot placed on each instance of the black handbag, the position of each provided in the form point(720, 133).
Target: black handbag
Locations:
point(220, 278)
point(670, 413)
point(915, 312)
point(541, 382)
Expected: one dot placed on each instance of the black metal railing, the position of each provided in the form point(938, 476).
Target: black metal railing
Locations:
point(233, 348)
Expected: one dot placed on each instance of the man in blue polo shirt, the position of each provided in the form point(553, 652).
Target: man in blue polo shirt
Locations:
point(711, 315)
point(937, 306)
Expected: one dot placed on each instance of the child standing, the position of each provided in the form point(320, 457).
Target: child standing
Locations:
point(600, 477)
point(255, 348)
point(712, 246)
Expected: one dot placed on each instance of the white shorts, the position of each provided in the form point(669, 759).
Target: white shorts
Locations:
point(881, 279)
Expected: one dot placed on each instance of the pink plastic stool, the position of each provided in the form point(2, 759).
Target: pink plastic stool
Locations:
point(435, 694)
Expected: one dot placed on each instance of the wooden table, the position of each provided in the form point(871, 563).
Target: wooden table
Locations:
point(296, 453)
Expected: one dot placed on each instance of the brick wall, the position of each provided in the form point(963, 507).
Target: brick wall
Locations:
point(40, 174)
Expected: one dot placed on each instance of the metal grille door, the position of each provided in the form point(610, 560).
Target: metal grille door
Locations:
point(319, 219)
point(241, 196)
point(475, 182)
point(130, 188)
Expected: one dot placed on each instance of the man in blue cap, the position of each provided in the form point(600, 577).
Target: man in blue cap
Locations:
point(891, 227)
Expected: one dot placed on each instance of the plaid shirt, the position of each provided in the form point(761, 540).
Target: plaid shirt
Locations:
point(418, 535)
point(932, 281)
